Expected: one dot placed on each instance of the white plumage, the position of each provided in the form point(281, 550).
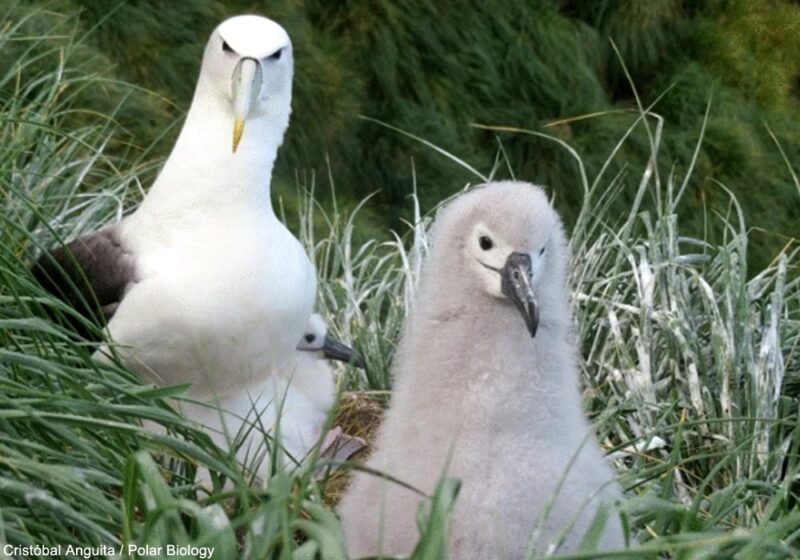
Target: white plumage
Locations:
point(478, 398)
point(303, 393)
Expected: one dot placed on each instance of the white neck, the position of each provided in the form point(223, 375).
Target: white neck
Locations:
point(203, 171)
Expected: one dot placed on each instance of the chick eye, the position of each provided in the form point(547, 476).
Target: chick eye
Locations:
point(276, 55)
point(542, 251)
point(226, 47)
point(309, 338)
point(485, 243)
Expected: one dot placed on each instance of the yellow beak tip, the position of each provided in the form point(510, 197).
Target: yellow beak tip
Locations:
point(238, 130)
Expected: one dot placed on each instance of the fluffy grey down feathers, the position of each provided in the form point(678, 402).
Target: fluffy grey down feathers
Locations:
point(478, 399)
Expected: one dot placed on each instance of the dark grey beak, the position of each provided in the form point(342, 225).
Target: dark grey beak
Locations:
point(335, 350)
point(516, 286)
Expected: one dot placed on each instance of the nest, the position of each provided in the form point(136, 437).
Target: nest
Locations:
point(358, 415)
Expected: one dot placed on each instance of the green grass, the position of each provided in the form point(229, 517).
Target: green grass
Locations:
point(690, 358)
point(435, 70)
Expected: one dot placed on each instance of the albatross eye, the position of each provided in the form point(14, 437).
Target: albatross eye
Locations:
point(309, 338)
point(226, 47)
point(276, 55)
point(485, 242)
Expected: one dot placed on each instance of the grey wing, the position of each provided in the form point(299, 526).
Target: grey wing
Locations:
point(90, 273)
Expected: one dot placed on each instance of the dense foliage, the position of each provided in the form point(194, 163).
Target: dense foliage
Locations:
point(435, 69)
point(690, 351)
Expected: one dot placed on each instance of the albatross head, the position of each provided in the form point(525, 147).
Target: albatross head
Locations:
point(505, 241)
point(248, 62)
point(315, 339)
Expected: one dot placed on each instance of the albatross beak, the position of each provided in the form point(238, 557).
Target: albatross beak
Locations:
point(332, 349)
point(246, 87)
point(516, 287)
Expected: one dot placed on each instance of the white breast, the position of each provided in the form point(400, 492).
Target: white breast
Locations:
point(250, 415)
point(218, 305)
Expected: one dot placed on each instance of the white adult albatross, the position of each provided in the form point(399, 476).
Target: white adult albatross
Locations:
point(202, 284)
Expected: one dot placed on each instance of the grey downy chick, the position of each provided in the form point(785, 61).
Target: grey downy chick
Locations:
point(486, 390)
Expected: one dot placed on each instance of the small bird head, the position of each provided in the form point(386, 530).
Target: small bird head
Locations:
point(506, 241)
point(249, 61)
point(315, 339)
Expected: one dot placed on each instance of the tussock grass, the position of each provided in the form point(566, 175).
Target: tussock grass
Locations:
point(689, 362)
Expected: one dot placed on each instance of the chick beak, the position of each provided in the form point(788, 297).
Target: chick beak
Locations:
point(332, 349)
point(516, 286)
point(246, 85)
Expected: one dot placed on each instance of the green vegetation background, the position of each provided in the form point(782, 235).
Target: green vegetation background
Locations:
point(690, 366)
point(437, 68)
